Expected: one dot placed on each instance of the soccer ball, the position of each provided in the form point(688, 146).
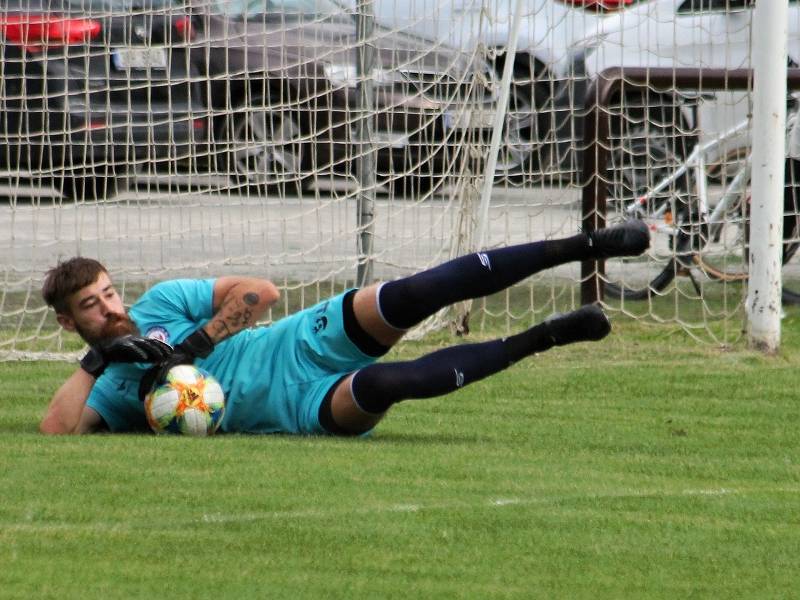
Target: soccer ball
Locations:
point(190, 402)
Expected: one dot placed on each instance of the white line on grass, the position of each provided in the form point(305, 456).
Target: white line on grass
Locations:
point(504, 501)
point(717, 492)
point(31, 525)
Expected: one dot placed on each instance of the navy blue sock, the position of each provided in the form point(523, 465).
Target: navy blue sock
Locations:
point(379, 386)
point(405, 302)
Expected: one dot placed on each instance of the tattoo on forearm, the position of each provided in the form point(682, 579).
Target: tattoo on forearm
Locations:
point(240, 318)
point(235, 314)
point(251, 298)
point(220, 329)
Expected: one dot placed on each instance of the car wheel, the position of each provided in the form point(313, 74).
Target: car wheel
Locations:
point(264, 151)
point(416, 174)
point(517, 146)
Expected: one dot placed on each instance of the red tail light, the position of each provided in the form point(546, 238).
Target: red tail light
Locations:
point(599, 5)
point(34, 32)
point(184, 29)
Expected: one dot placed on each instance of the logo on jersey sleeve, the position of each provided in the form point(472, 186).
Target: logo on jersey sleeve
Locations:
point(320, 320)
point(158, 333)
point(320, 324)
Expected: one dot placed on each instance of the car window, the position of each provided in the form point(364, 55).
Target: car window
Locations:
point(698, 6)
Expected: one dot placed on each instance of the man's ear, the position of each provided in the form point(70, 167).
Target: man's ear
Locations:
point(66, 321)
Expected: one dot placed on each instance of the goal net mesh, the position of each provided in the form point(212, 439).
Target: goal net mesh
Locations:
point(327, 143)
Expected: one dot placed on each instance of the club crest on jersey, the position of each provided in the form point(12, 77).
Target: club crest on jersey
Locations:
point(158, 333)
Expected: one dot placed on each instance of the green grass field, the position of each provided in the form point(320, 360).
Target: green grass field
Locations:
point(644, 466)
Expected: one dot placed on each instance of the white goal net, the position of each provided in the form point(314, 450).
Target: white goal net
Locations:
point(325, 143)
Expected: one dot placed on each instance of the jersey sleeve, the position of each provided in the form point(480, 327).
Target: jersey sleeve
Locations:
point(181, 305)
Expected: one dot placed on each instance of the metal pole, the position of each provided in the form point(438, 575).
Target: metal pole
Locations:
point(366, 163)
point(763, 307)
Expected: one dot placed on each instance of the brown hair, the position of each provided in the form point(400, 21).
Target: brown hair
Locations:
point(68, 277)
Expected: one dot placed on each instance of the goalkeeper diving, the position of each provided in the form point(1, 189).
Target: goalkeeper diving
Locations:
point(316, 371)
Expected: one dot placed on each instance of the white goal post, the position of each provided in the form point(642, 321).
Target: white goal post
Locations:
point(327, 143)
point(769, 149)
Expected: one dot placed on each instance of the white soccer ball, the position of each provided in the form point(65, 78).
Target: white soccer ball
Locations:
point(190, 402)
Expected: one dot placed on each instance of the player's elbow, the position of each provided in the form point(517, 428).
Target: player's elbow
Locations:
point(52, 425)
point(270, 294)
point(60, 422)
point(264, 294)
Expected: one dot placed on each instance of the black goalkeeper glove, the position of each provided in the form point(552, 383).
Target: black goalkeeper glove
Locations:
point(197, 345)
point(124, 349)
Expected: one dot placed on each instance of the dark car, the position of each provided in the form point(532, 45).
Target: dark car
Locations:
point(283, 88)
point(91, 88)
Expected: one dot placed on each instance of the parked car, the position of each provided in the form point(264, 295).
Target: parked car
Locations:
point(686, 33)
point(563, 44)
point(284, 91)
point(546, 36)
point(653, 129)
point(90, 88)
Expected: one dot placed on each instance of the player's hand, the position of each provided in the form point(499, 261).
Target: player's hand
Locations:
point(124, 349)
point(197, 345)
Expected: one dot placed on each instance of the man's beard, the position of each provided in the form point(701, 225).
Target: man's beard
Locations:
point(114, 327)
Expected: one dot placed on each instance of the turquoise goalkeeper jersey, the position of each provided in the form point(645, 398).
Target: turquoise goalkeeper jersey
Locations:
point(274, 377)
